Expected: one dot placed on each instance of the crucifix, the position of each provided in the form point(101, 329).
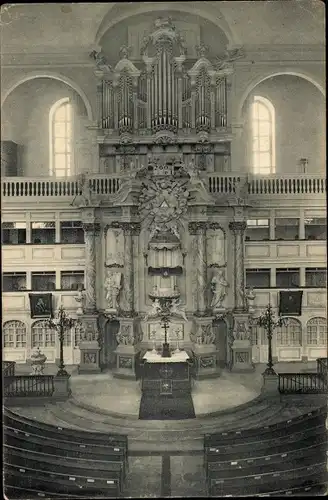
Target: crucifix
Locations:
point(166, 346)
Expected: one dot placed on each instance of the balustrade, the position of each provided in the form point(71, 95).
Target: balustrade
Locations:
point(301, 383)
point(29, 386)
point(8, 368)
point(104, 184)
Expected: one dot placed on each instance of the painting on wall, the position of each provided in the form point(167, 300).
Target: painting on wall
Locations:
point(41, 305)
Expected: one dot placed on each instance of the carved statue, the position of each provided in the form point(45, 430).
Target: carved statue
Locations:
point(155, 310)
point(219, 287)
point(79, 299)
point(112, 287)
point(178, 310)
point(125, 335)
point(85, 198)
point(241, 331)
point(228, 58)
point(250, 297)
point(100, 60)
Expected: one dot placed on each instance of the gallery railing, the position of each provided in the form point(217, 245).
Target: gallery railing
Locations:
point(29, 386)
point(8, 368)
point(322, 369)
point(301, 383)
point(105, 184)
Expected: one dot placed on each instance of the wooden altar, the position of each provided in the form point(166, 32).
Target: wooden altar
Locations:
point(166, 376)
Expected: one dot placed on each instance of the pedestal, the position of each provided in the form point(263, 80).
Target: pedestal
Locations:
point(125, 362)
point(206, 361)
point(61, 386)
point(242, 357)
point(90, 362)
point(270, 387)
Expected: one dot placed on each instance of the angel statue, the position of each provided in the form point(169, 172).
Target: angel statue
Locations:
point(178, 310)
point(100, 60)
point(228, 58)
point(219, 287)
point(155, 310)
point(83, 187)
point(112, 287)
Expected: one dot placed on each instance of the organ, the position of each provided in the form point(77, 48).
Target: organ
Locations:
point(165, 91)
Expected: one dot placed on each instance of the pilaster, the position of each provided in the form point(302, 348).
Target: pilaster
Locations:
point(238, 229)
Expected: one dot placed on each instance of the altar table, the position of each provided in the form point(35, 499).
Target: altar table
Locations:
point(166, 376)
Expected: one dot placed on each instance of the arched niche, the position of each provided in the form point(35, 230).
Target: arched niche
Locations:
point(299, 123)
point(26, 115)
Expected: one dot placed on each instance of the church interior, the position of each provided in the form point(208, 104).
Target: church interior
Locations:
point(163, 182)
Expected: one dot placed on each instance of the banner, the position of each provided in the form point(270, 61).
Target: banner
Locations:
point(41, 305)
point(290, 303)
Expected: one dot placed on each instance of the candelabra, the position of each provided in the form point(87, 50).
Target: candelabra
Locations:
point(61, 324)
point(269, 323)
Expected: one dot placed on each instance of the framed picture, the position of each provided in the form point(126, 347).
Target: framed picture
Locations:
point(40, 305)
point(290, 303)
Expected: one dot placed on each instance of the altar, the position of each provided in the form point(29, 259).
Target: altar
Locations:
point(163, 376)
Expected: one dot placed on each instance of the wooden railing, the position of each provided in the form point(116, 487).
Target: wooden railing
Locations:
point(105, 184)
point(8, 368)
point(301, 383)
point(29, 386)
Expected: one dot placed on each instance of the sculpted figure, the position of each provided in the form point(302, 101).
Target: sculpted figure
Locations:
point(155, 310)
point(112, 287)
point(84, 188)
point(178, 310)
point(219, 287)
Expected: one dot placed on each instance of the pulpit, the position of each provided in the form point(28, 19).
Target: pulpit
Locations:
point(163, 376)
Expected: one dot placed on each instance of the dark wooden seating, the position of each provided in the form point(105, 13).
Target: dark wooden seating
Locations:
point(51, 460)
point(15, 491)
point(254, 461)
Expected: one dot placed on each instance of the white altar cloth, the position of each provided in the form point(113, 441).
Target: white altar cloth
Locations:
point(176, 357)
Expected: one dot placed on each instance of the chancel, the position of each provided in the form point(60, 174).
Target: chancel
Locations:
point(164, 272)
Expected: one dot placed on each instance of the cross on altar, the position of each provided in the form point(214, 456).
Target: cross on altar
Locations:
point(165, 327)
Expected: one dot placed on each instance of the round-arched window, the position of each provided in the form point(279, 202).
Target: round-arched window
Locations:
point(290, 334)
point(316, 331)
point(14, 334)
point(42, 335)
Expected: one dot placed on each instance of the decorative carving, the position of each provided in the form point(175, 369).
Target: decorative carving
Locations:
point(225, 61)
point(178, 310)
point(125, 335)
point(125, 362)
point(113, 287)
point(241, 330)
point(89, 358)
point(203, 335)
point(240, 191)
point(219, 287)
point(237, 226)
point(155, 310)
point(242, 357)
point(90, 230)
point(216, 246)
point(163, 203)
point(207, 362)
point(197, 227)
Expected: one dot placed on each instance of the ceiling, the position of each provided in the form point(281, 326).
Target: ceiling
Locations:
point(55, 28)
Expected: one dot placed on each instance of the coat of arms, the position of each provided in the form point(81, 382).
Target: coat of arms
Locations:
point(163, 201)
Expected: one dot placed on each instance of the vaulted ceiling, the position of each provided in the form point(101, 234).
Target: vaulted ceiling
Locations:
point(54, 27)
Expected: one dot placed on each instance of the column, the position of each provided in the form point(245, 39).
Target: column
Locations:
point(272, 225)
point(198, 229)
point(90, 231)
point(28, 227)
point(238, 229)
point(100, 104)
point(130, 229)
point(302, 225)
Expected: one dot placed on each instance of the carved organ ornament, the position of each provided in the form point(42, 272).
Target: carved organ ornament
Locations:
point(166, 92)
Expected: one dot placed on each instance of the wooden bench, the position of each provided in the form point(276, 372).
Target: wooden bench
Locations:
point(61, 447)
point(266, 482)
point(14, 491)
point(292, 426)
point(223, 465)
point(11, 419)
point(68, 465)
point(54, 482)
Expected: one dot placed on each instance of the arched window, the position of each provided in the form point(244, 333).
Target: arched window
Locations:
point(42, 335)
point(14, 334)
point(289, 334)
point(61, 138)
point(316, 330)
point(263, 136)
